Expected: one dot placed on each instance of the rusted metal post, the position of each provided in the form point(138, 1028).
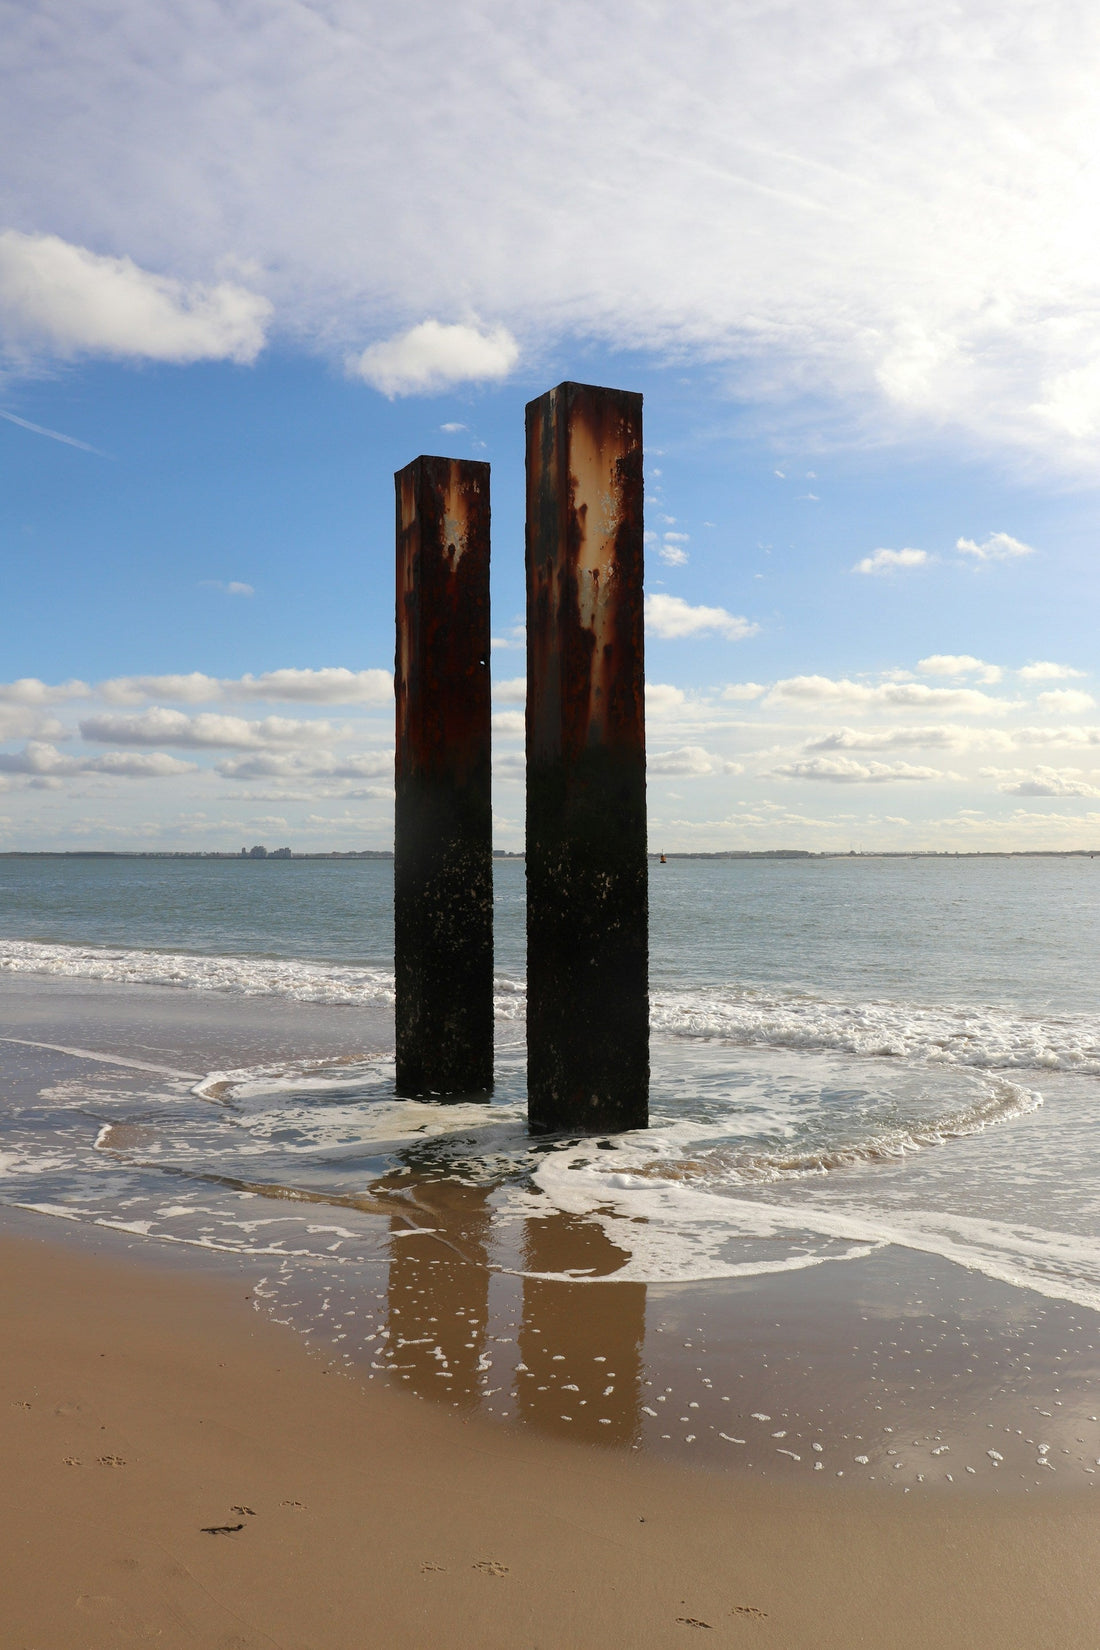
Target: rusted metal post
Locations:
point(443, 845)
point(587, 876)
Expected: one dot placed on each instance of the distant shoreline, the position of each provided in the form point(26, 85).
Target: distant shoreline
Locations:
point(504, 853)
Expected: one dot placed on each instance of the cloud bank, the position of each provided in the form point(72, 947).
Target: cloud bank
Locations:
point(892, 208)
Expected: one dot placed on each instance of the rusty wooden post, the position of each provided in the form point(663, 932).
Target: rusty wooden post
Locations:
point(587, 875)
point(443, 846)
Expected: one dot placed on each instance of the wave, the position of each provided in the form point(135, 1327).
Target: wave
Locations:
point(981, 1037)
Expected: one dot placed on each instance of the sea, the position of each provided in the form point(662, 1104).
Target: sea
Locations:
point(869, 1192)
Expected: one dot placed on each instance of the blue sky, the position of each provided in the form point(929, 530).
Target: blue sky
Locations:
point(842, 250)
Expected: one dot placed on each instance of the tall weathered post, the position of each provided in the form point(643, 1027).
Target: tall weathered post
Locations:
point(587, 887)
point(443, 848)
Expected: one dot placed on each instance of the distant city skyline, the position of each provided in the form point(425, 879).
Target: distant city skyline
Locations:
point(246, 274)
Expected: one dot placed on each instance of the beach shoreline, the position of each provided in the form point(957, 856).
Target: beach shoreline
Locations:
point(143, 1405)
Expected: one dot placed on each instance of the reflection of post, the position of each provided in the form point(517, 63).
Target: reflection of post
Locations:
point(443, 845)
point(438, 1303)
point(580, 1343)
point(587, 890)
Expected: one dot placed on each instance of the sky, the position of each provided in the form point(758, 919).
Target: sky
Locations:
point(256, 257)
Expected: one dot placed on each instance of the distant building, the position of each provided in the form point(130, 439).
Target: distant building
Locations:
point(258, 852)
point(280, 853)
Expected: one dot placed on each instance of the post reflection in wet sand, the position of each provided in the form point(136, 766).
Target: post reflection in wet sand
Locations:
point(580, 1368)
point(438, 1293)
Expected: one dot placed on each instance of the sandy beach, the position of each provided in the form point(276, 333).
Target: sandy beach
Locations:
point(179, 1470)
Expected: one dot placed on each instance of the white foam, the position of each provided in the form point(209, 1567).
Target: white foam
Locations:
point(964, 1035)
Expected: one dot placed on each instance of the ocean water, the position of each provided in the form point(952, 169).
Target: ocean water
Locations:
point(856, 1063)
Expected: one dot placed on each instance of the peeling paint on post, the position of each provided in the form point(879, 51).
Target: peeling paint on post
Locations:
point(443, 846)
point(587, 873)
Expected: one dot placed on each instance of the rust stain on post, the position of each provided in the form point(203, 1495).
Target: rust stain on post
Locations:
point(443, 853)
point(587, 875)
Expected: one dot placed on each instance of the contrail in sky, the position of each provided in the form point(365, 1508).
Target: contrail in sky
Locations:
point(54, 435)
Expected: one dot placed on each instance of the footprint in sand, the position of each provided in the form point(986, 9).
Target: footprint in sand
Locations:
point(299, 1505)
point(111, 1461)
point(749, 1610)
point(247, 1511)
point(693, 1621)
point(428, 1568)
point(71, 1461)
point(490, 1567)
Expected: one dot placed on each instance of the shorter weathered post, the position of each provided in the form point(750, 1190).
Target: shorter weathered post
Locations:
point(587, 872)
point(443, 846)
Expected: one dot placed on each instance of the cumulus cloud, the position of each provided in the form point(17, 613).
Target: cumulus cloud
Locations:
point(673, 555)
point(939, 737)
point(997, 547)
point(807, 691)
point(736, 692)
point(432, 357)
point(72, 301)
point(687, 761)
point(332, 686)
point(1042, 781)
point(1043, 670)
point(1069, 734)
point(207, 731)
point(847, 771)
point(1067, 701)
point(673, 619)
point(41, 760)
point(28, 690)
point(513, 691)
point(750, 184)
point(508, 721)
point(315, 765)
point(662, 699)
point(888, 561)
point(959, 664)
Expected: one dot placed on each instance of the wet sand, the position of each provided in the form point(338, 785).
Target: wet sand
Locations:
point(180, 1470)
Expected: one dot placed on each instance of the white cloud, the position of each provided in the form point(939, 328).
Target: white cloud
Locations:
point(941, 737)
point(24, 722)
point(888, 561)
point(805, 691)
point(673, 619)
point(687, 761)
point(1041, 781)
point(1068, 735)
point(432, 357)
point(511, 692)
point(997, 547)
point(673, 555)
point(846, 771)
point(1068, 701)
point(508, 721)
point(28, 690)
point(738, 691)
point(753, 184)
point(334, 686)
point(662, 699)
point(315, 765)
point(959, 664)
point(73, 301)
point(233, 588)
point(1044, 671)
point(39, 759)
point(207, 731)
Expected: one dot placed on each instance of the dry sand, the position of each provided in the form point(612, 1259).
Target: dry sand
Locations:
point(178, 1471)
